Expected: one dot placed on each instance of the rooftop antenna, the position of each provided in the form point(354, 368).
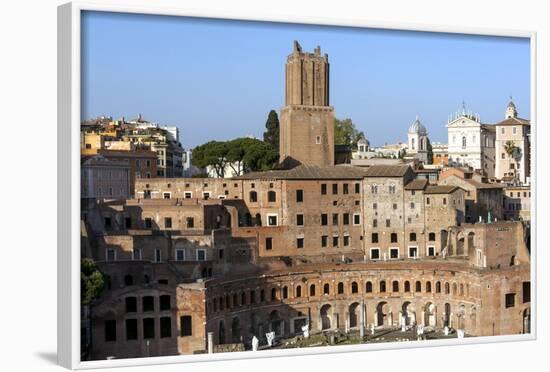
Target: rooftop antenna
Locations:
point(463, 107)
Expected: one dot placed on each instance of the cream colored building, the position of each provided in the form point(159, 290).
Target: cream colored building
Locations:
point(514, 166)
point(471, 143)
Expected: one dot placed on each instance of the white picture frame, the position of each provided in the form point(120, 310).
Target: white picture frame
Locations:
point(69, 181)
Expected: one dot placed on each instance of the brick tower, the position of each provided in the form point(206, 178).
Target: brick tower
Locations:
point(307, 120)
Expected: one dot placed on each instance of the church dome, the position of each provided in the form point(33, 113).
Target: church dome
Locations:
point(511, 104)
point(418, 128)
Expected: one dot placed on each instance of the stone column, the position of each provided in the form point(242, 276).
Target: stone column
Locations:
point(362, 319)
point(210, 342)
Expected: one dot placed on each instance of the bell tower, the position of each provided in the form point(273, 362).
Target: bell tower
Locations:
point(307, 119)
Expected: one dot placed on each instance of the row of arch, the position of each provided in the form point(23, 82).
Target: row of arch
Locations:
point(329, 317)
point(249, 297)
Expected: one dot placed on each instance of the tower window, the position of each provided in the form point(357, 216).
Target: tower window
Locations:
point(318, 140)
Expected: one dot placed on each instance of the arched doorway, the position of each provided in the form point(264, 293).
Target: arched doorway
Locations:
point(221, 333)
point(447, 315)
point(354, 314)
point(382, 313)
point(276, 323)
point(471, 240)
point(236, 330)
point(527, 320)
point(429, 315)
point(408, 312)
point(326, 315)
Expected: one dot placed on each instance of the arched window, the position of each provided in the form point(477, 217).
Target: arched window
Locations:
point(312, 290)
point(340, 288)
point(354, 287)
point(271, 196)
point(235, 300)
point(407, 286)
point(262, 295)
point(243, 298)
point(285, 292)
point(273, 294)
point(395, 286)
point(464, 142)
point(382, 286)
point(431, 237)
point(421, 144)
point(258, 219)
point(252, 296)
point(368, 287)
point(299, 291)
point(461, 289)
point(418, 286)
point(438, 287)
point(412, 143)
point(253, 196)
point(326, 289)
point(128, 280)
point(429, 287)
point(447, 288)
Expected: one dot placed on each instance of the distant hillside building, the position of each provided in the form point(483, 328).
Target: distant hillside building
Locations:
point(517, 131)
point(418, 141)
point(471, 143)
point(307, 120)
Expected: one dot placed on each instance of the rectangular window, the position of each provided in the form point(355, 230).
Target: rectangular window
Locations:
point(346, 218)
point(427, 201)
point(510, 300)
point(335, 241)
point(334, 189)
point(444, 201)
point(412, 205)
point(374, 205)
point(526, 291)
point(165, 327)
point(107, 222)
point(148, 223)
point(186, 326)
point(268, 244)
point(388, 223)
point(148, 328)
point(131, 304)
point(188, 195)
point(374, 238)
point(346, 240)
point(168, 222)
point(148, 303)
point(412, 237)
point(166, 195)
point(375, 254)
point(394, 253)
point(299, 196)
point(357, 188)
point(324, 219)
point(110, 330)
point(413, 252)
point(131, 329)
point(180, 255)
point(272, 220)
point(300, 219)
point(158, 255)
point(431, 251)
point(111, 254)
point(128, 222)
point(356, 219)
point(299, 242)
point(206, 195)
point(374, 223)
point(190, 222)
point(335, 219)
point(201, 255)
point(393, 237)
point(394, 206)
point(346, 188)
point(324, 241)
point(323, 189)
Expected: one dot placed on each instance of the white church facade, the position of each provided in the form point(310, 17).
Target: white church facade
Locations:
point(471, 143)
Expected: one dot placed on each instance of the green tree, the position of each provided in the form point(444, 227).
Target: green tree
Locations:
point(345, 133)
point(92, 281)
point(271, 135)
point(211, 154)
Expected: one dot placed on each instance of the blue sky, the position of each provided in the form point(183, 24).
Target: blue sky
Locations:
point(218, 79)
